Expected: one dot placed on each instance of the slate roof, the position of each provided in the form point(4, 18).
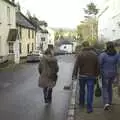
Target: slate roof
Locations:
point(23, 21)
point(43, 23)
point(10, 2)
point(35, 23)
point(44, 31)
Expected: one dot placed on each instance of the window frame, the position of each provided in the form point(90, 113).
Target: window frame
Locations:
point(32, 34)
point(20, 48)
point(8, 15)
point(29, 33)
point(20, 31)
point(11, 48)
point(32, 46)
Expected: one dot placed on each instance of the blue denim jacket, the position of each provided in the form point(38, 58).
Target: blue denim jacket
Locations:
point(108, 64)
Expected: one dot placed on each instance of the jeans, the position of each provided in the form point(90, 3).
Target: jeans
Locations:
point(107, 90)
point(47, 94)
point(90, 91)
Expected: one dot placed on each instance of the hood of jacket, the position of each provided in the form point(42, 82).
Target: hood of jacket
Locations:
point(49, 59)
point(88, 49)
point(111, 53)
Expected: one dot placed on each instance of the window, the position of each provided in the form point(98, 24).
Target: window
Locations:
point(11, 47)
point(32, 46)
point(8, 15)
point(29, 33)
point(20, 32)
point(65, 47)
point(32, 34)
point(28, 48)
point(42, 39)
point(20, 48)
point(1, 14)
point(0, 44)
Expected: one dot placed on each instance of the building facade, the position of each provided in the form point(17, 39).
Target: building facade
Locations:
point(27, 34)
point(51, 36)
point(8, 31)
point(109, 21)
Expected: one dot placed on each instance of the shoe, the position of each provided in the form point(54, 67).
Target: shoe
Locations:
point(89, 111)
point(46, 100)
point(107, 107)
point(82, 105)
point(50, 100)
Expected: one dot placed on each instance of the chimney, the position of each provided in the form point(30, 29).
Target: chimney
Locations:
point(18, 7)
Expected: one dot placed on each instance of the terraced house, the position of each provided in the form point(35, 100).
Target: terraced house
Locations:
point(27, 35)
point(8, 31)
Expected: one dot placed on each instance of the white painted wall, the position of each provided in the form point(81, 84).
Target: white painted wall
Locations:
point(4, 27)
point(51, 36)
point(74, 46)
point(108, 28)
point(67, 47)
point(39, 37)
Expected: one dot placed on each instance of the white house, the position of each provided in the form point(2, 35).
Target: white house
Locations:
point(8, 32)
point(65, 45)
point(51, 36)
point(41, 33)
point(109, 21)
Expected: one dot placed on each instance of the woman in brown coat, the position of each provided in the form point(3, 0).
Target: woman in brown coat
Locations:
point(48, 69)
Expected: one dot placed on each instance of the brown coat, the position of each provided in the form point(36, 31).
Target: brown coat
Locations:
point(48, 69)
point(86, 63)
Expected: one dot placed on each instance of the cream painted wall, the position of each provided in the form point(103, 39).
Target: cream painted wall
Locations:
point(4, 27)
point(25, 40)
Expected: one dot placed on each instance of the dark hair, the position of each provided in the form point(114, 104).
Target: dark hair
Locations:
point(85, 44)
point(48, 52)
point(110, 48)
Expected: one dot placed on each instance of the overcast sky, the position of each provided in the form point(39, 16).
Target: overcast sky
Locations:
point(58, 13)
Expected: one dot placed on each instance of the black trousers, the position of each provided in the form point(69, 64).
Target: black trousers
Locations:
point(47, 94)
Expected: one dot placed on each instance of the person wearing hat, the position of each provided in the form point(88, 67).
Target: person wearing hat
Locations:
point(87, 69)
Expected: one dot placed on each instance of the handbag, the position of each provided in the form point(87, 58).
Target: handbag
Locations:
point(98, 92)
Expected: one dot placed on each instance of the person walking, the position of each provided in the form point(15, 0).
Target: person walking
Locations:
point(87, 65)
point(48, 69)
point(108, 67)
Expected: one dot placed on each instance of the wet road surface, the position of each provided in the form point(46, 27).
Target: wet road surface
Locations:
point(22, 99)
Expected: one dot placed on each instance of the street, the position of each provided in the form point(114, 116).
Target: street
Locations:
point(22, 99)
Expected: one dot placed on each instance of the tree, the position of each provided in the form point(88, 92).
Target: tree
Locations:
point(87, 30)
point(59, 34)
point(56, 35)
point(91, 9)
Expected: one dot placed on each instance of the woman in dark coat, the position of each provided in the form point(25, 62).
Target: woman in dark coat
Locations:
point(48, 69)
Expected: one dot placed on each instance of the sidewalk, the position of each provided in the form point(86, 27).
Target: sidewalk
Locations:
point(99, 113)
point(10, 65)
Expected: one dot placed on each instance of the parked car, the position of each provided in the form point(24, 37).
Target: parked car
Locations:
point(34, 56)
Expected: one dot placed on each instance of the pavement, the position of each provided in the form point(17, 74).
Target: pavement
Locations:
point(22, 99)
point(99, 113)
